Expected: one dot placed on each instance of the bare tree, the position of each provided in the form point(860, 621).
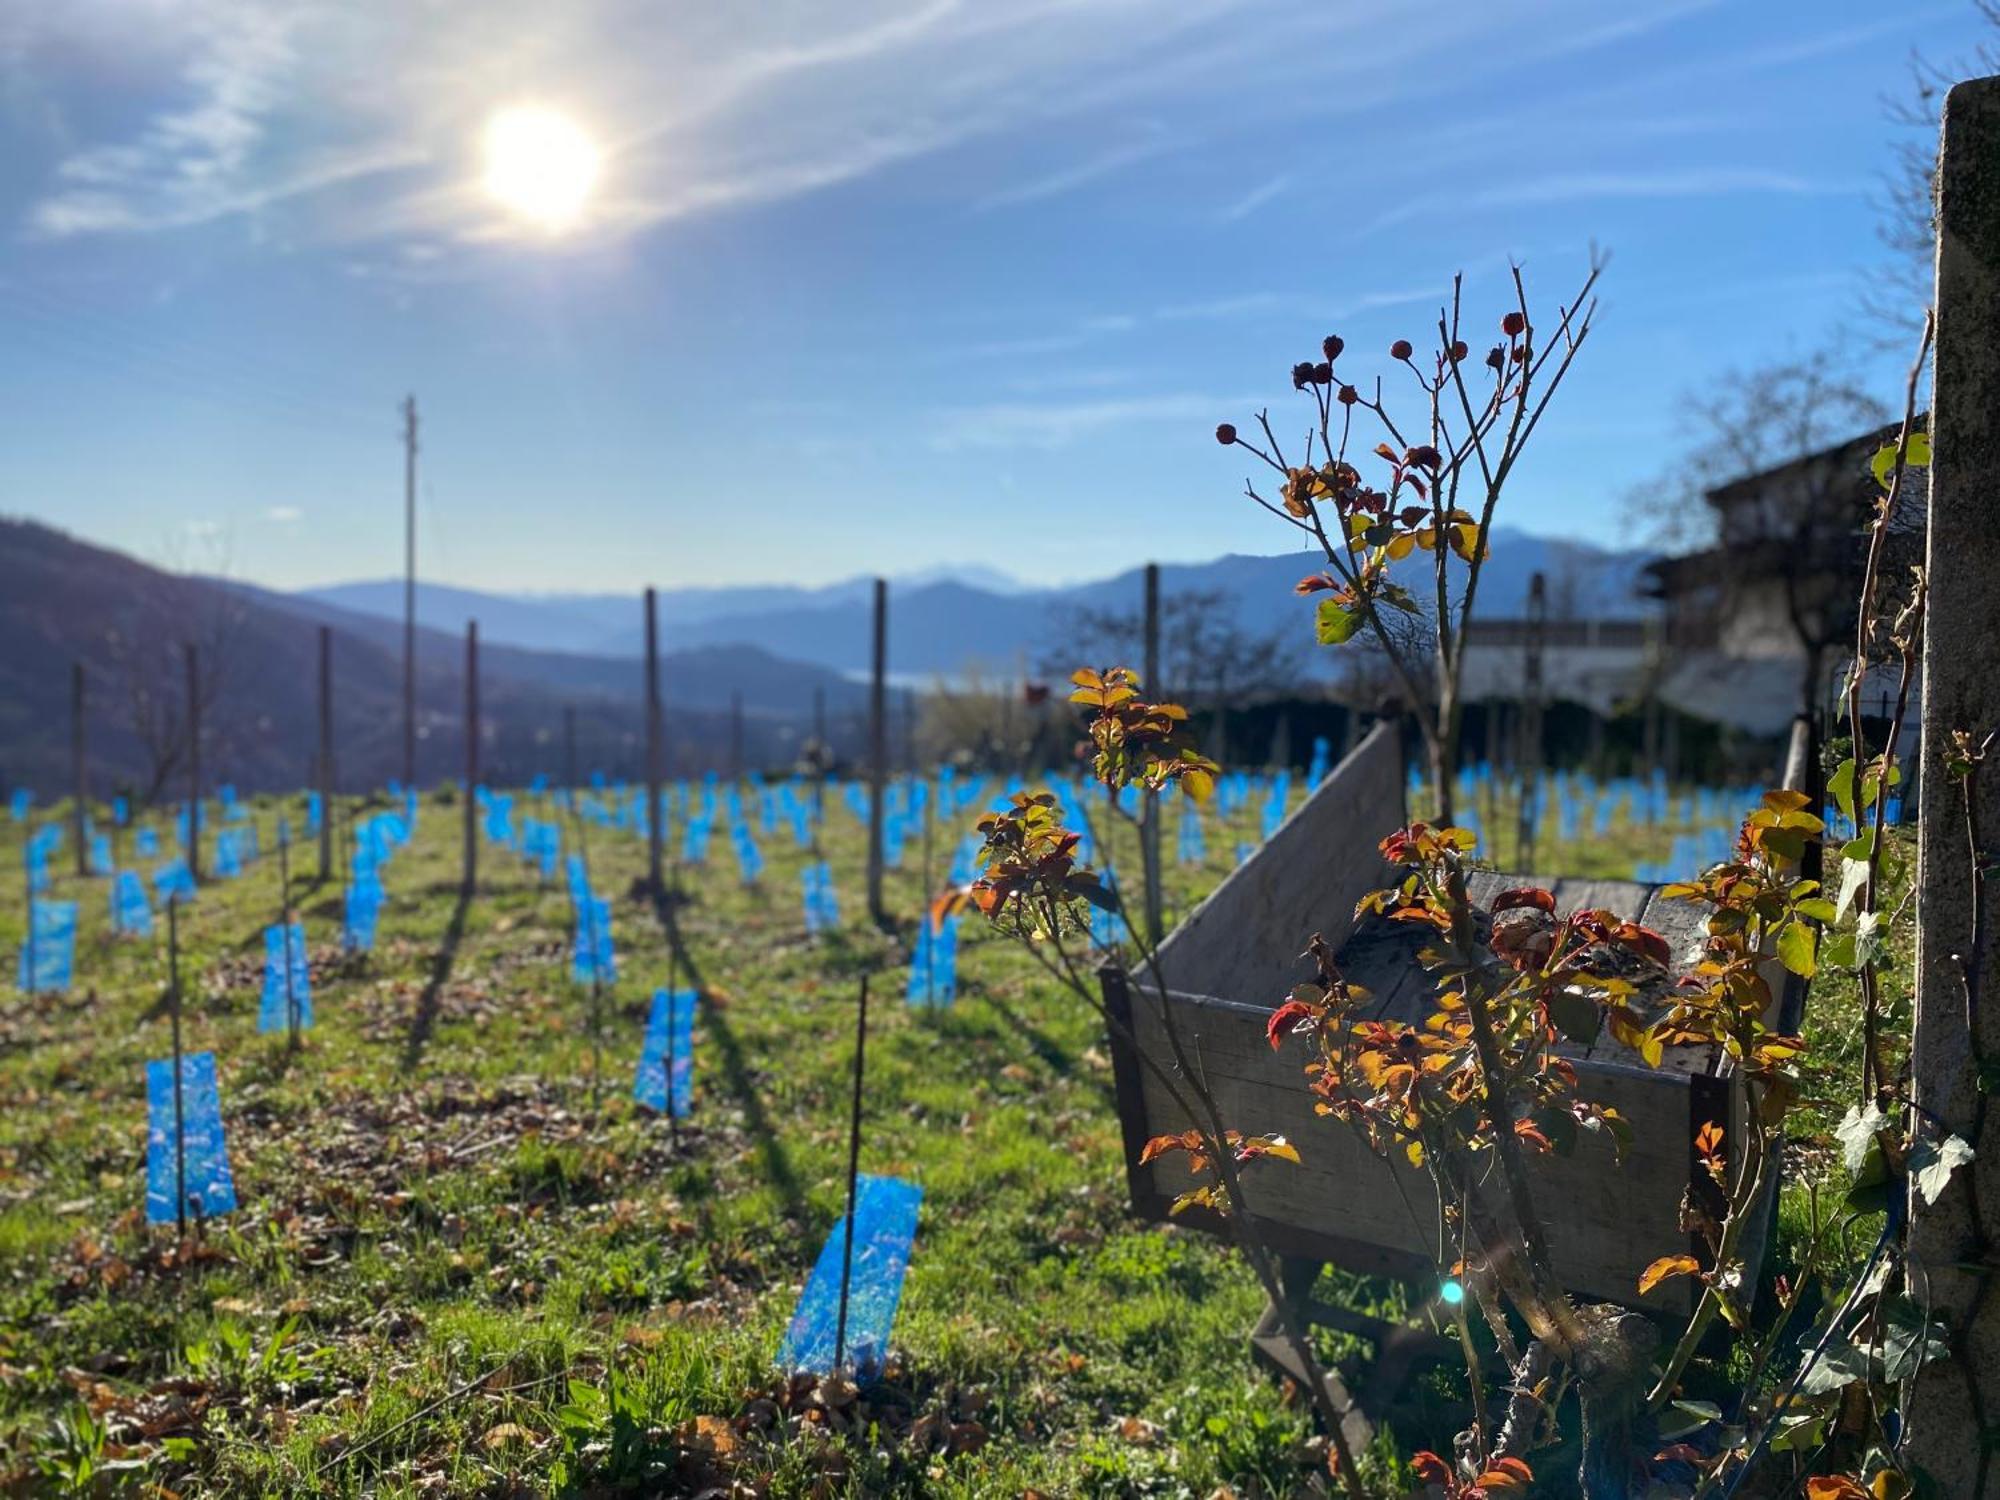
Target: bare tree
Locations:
point(1771, 490)
point(1207, 655)
point(144, 649)
point(1908, 224)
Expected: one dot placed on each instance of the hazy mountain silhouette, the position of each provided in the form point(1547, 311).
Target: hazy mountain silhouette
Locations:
point(64, 601)
point(951, 624)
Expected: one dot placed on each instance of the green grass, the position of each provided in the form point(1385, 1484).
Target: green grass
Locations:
point(466, 1264)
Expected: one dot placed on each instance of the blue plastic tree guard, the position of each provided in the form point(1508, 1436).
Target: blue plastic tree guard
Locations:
point(592, 954)
point(146, 844)
point(934, 965)
point(885, 1229)
point(19, 803)
point(204, 1161)
point(131, 914)
point(364, 905)
point(285, 948)
point(50, 951)
point(669, 1034)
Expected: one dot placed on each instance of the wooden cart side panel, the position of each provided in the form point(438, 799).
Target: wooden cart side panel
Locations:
point(1606, 1220)
point(1246, 937)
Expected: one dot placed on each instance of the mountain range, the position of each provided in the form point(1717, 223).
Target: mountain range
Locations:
point(66, 603)
point(967, 619)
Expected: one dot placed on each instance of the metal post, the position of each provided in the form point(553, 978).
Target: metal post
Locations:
point(853, 1177)
point(174, 1014)
point(409, 592)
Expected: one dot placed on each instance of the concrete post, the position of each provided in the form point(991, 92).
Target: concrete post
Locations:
point(1954, 1244)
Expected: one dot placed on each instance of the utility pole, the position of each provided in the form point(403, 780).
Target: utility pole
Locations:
point(194, 763)
point(878, 750)
point(471, 754)
point(409, 592)
point(655, 867)
point(326, 752)
point(1149, 830)
point(81, 814)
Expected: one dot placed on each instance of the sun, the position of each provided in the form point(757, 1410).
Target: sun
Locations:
point(540, 165)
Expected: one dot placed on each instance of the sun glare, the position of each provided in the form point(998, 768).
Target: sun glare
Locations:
point(540, 165)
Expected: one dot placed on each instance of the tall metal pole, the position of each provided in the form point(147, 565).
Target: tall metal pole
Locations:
point(194, 762)
point(80, 814)
point(326, 752)
point(409, 592)
point(655, 864)
point(1149, 830)
point(471, 754)
point(878, 751)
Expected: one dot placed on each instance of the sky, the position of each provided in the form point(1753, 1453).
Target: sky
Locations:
point(872, 286)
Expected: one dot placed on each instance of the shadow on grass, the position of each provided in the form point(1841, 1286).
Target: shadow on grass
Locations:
point(424, 1021)
point(771, 1151)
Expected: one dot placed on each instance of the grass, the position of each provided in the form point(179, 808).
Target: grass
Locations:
point(466, 1264)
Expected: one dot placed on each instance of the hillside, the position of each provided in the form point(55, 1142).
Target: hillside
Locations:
point(64, 601)
point(950, 624)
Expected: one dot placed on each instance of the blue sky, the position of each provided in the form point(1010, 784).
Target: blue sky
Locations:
point(878, 284)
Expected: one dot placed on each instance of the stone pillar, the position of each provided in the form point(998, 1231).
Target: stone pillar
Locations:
point(1954, 1245)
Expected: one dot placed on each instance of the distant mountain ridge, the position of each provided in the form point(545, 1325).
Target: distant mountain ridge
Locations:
point(951, 624)
point(64, 602)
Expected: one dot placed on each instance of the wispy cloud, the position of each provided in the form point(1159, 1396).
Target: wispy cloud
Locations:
point(1080, 174)
point(284, 515)
point(1570, 187)
point(1256, 198)
point(1012, 424)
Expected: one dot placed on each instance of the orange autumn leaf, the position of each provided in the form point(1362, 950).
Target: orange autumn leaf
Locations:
point(1666, 1266)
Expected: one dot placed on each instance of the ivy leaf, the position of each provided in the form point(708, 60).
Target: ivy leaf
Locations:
point(1931, 1164)
point(1841, 1365)
point(1907, 1340)
point(1856, 1132)
point(1853, 873)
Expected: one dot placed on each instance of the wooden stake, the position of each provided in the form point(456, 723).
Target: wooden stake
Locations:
point(174, 1014)
point(409, 592)
point(194, 763)
point(853, 1177)
point(325, 752)
point(471, 874)
point(1149, 829)
point(80, 813)
point(655, 812)
point(285, 928)
point(878, 752)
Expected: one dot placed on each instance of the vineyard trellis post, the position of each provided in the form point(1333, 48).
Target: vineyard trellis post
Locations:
point(194, 761)
point(1954, 1243)
point(878, 749)
point(174, 1015)
point(80, 814)
point(325, 752)
point(409, 591)
point(471, 874)
point(1149, 827)
point(655, 833)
